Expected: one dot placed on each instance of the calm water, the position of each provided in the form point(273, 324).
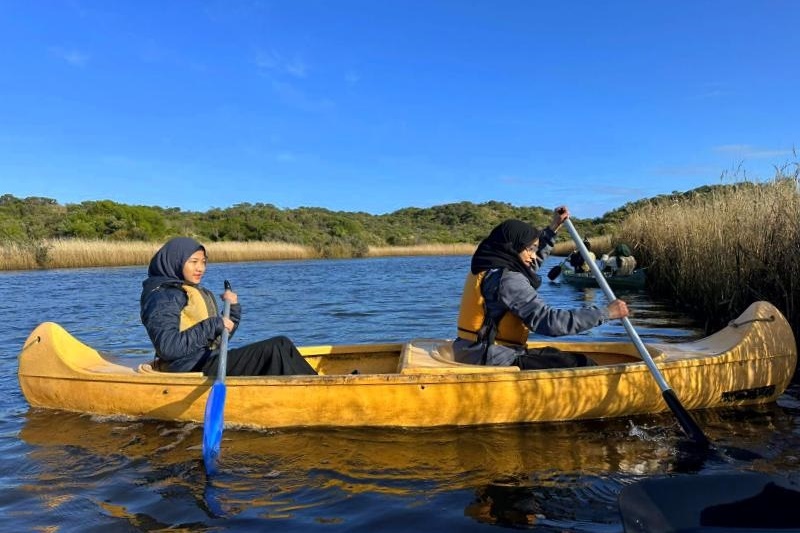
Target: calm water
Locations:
point(67, 472)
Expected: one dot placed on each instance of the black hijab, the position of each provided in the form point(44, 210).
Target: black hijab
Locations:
point(166, 266)
point(502, 247)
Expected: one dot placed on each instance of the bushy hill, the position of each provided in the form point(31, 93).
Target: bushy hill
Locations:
point(34, 218)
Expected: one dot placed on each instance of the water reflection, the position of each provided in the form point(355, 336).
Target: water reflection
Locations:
point(62, 471)
point(146, 473)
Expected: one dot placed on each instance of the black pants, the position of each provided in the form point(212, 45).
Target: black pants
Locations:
point(277, 356)
point(549, 357)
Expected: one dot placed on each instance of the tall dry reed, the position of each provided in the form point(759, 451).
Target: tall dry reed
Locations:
point(601, 244)
point(421, 249)
point(717, 253)
point(78, 253)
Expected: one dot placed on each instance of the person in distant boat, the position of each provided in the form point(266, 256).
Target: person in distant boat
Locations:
point(185, 326)
point(621, 263)
point(576, 259)
point(500, 304)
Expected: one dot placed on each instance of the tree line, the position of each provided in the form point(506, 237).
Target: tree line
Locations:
point(32, 219)
point(35, 218)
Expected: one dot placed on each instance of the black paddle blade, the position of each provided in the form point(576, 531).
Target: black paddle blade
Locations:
point(554, 273)
point(686, 421)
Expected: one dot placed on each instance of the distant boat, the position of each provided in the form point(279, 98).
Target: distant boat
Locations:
point(635, 280)
point(418, 384)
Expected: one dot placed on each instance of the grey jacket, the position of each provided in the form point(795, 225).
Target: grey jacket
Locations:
point(508, 291)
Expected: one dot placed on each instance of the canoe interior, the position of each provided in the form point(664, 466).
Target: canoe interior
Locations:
point(421, 356)
point(368, 359)
point(389, 358)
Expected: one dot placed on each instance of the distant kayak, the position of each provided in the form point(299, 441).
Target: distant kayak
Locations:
point(636, 280)
point(744, 501)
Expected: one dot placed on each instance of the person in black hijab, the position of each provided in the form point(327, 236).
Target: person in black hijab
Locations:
point(501, 249)
point(576, 261)
point(184, 324)
point(500, 304)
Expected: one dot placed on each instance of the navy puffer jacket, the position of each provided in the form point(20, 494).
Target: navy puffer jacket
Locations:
point(161, 304)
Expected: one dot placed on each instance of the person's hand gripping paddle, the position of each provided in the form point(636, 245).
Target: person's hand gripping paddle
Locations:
point(685, 420)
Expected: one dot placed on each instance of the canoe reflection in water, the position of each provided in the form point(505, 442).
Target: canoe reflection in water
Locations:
point(135, 472)
point(562, 502)
point(506, 502)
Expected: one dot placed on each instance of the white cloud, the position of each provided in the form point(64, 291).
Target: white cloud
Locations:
point(708, 95)
point(72, 56)
point(352, 77)
point(274, 61)
point(296, 67)
point(285, 157)
point(291, 95)
point(707, 91)
point(751, 152)
point(696, 171)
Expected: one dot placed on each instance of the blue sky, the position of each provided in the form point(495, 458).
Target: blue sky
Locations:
point(379, 105)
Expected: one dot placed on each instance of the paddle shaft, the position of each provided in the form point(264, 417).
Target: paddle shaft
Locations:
point(214, 419)
point(223, 347)
point(684, 418)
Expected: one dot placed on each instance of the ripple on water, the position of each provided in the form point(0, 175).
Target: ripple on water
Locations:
point(67, 472)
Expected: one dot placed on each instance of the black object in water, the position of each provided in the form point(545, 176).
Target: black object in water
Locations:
point(741, 502)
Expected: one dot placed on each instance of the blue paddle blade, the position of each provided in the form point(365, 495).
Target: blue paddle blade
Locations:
point(213, 425)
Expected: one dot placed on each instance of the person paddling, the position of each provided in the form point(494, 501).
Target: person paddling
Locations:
point(500, 304)
point(576, 261)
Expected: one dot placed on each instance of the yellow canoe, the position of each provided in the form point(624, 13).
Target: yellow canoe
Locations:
point(417, 384)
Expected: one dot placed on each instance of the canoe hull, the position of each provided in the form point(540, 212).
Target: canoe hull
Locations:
point(418, 385)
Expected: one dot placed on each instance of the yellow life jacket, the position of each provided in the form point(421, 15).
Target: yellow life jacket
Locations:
point(510, 330)
point(201, 305)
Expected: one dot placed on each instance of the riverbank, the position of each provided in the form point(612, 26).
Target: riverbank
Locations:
point(80, 253)
point(714, 255)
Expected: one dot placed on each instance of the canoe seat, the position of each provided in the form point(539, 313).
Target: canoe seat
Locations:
point(147, 368)
point(424, 356)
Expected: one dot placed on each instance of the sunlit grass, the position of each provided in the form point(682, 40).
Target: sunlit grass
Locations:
point(226, 252)
point(422, 249)
point(77, 253)
point(718, 253)
point(600, 245)
point(80, 253)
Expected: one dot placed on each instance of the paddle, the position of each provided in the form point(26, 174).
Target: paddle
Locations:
point(215, 405)
point(686, 421)
point(556, 270)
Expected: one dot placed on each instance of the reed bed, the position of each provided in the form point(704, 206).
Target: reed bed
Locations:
point(230, 252)
point(717, 253)
point(78, 253)
point(81, 253)
point(602, 244)
point(421, 249)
